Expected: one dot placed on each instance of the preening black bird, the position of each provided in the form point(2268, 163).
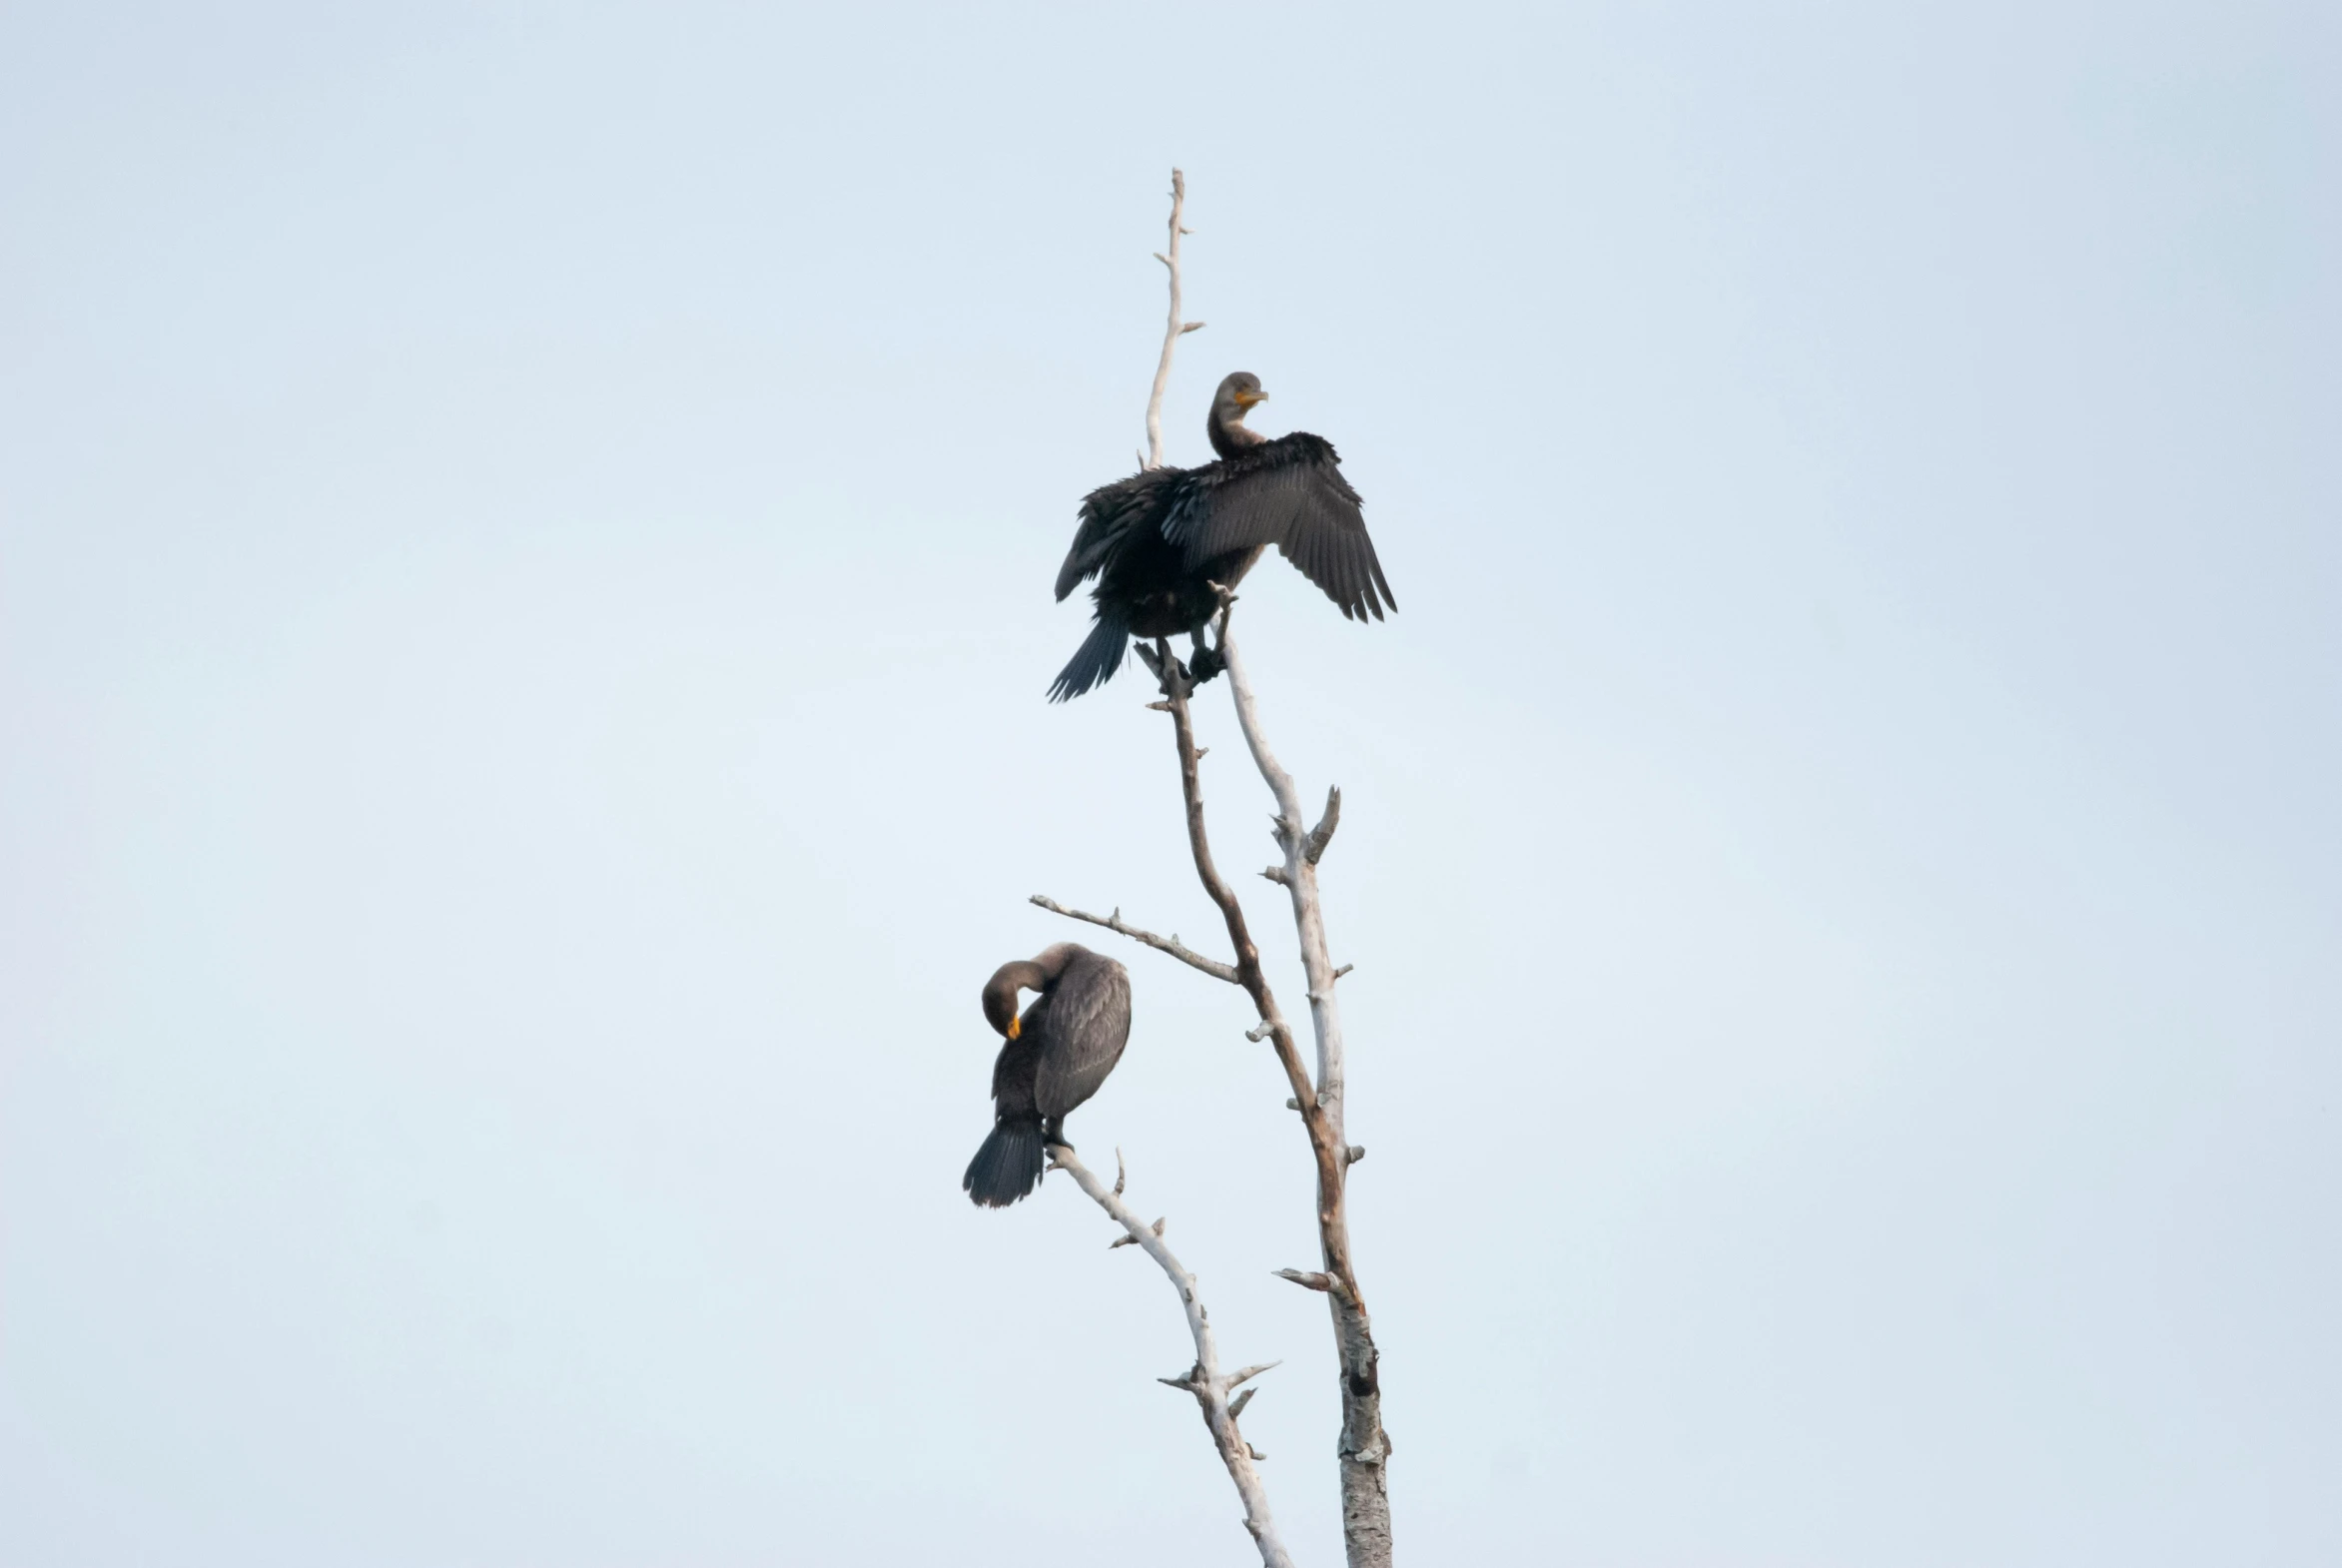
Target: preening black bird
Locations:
point(1157, 541)
point(1056, 1057)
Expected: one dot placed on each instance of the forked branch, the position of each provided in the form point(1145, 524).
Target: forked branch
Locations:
point(1364, 1446)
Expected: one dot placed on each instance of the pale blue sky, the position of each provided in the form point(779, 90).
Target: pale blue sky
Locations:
point(524, 545)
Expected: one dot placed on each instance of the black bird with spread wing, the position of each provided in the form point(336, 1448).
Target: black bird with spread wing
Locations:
point(1056, 1057)
point(1160, 540)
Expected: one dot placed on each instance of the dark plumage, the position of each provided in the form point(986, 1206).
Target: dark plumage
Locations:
point(1056, 1057)
point(1157, 541)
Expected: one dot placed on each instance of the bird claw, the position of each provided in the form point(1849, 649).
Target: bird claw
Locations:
point(1209, 662)
point(1163, 666)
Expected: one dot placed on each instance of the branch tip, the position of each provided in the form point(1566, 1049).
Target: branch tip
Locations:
point(1321, 835)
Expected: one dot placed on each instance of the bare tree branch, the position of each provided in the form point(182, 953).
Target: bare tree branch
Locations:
point(1204, 1379)
point(1298, 876)
point(1173, 330)
point(1172, 944)
point(1247, 971)
point(1365, 1447)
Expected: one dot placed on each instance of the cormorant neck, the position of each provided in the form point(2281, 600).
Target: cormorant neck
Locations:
point(1227, 432)
point(1002, 989)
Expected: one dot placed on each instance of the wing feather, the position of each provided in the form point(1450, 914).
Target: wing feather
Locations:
point(1088, 1024)
point(1108, 514)
point(1289, 493)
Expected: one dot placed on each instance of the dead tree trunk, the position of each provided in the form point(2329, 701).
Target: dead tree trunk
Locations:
point(1363, 1450)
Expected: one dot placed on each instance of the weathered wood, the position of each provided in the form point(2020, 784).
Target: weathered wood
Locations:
point(1175, 329)
point(1365, 1447)
point(1204, 1379)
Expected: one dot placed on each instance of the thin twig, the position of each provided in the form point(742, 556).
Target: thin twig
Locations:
point(1175, 329)
point(1204, 1379)
point(1172, 944)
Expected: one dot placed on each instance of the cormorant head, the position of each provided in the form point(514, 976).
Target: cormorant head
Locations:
point(1011, 980)
point(1237, 396)
point(1230, 405)
point(1000, 993)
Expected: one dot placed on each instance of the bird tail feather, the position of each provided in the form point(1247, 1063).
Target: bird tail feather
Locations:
point(1095, 662)
point(1009, 1164)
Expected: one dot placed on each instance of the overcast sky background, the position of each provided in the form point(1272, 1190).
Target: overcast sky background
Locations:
point(525, 535)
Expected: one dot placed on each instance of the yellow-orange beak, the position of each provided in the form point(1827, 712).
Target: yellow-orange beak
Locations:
point(1245, 399)
point(1015, 1027)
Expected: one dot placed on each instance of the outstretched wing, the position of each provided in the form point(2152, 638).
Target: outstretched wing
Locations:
point(1108, 514)
point(1088, 1024)
point(1289, 493)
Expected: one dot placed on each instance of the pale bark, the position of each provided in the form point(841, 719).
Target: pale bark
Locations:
point(1298, 877)
point(1174, 329)
point(1364, 1449)
point(1210, 1387)
point(1171, 944)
